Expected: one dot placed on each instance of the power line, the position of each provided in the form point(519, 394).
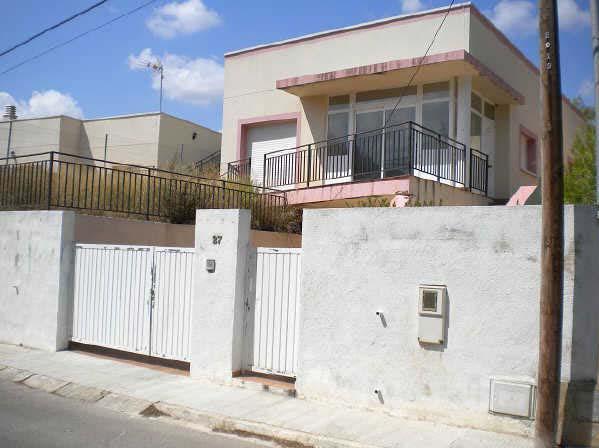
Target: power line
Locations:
point(53, 27)
point(419, 66)
point(62, 44)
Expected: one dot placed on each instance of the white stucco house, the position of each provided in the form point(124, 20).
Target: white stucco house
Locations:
point(316, 115)
point(149, 139)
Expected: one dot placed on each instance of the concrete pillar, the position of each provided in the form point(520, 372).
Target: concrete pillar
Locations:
point(463, 109)
point(218, 303)
point(36, 278)
point(464, 87)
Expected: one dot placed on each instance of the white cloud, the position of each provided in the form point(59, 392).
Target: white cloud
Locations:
point(515, 16)
point(587, 90)
point(195, 81)
point(409, 6)
point(571, 15)
point(186, 17)
point(519, 17)
point(43, 104)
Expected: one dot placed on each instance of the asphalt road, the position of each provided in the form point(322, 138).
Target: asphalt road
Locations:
point(36, 419)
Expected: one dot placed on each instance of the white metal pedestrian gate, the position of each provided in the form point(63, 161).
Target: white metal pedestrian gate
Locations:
point(134, 298)
point(272, 327)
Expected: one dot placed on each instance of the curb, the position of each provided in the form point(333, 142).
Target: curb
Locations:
point(202, 420)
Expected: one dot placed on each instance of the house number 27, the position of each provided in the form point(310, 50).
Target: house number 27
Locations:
point(216, 239)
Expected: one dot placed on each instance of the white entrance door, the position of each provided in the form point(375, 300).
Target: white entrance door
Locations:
point(272, 137)
point(134, 298)
point(271, 325)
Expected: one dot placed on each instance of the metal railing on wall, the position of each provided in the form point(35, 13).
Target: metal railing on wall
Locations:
point(209, 163)
point(239, 170)
point(402, 149)
point(64, 181)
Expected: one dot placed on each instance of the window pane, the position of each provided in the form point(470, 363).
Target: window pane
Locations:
point(435, 116)
point(429, 301)
point(367, 146)
point(373, 95)
point(338, 125)
point(529, 153)
point(475, 131)
point(338, 102)
point(476, 102)
point(400, 115)
point(437, 90)
point(489, 111)
point(369, 121)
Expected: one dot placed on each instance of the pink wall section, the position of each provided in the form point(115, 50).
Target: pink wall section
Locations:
point(348, 190)
point(521, 196)
point(244, 124)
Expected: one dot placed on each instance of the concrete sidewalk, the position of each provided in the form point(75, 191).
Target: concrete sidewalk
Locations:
point(289, 421)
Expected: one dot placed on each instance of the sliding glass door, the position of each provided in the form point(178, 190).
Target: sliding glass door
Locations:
point(370, 161)
point(368, 144)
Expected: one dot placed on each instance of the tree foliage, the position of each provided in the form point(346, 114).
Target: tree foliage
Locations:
point(580, 176)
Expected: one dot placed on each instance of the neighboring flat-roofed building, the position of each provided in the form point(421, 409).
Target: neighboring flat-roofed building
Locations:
point(150, 139)
point(315, 115)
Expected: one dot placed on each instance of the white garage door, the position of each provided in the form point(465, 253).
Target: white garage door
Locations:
point(267, 138)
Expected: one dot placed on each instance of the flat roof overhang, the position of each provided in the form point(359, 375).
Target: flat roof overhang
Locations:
point(397, 73)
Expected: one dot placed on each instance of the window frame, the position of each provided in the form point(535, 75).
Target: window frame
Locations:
point(529, 135)
point(416, 101)
point(481, 114)
point(449, 99)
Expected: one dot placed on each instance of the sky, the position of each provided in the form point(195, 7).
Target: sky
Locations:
point(103, 73)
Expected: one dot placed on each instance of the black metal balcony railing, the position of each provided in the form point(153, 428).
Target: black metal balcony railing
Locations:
point(479, 171)
point(240, 170)
point(406, 148)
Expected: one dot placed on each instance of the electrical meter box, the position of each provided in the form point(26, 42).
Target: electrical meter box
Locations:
point(431, 314)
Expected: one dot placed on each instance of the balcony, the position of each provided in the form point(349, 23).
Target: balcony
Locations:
point(394, 151)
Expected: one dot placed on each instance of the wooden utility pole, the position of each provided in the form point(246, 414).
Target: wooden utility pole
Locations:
point(595, 42)
point(552, 252)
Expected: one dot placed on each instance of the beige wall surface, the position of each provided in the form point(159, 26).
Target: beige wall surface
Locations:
point(487, 46)
point(429, 192)
point(175, 132)
point(33, 135)
point(103, 230)
point(250, 78)
point(131, 139)
point(261, 238)
point(70, 135)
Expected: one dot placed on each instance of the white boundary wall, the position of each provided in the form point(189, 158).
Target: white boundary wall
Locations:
point(359, 261)
point(36, 278)
point(356, 262)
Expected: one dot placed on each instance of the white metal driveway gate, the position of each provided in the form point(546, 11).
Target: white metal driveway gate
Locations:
point(272, 325)
point(134, 298)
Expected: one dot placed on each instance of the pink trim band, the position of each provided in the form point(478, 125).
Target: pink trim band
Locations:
point(383, 67)
point(524, 130)
point(244, 123)
point(378, 187)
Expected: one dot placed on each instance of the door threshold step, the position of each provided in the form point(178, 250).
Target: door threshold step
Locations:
point(267, 383)
point(151, 362)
